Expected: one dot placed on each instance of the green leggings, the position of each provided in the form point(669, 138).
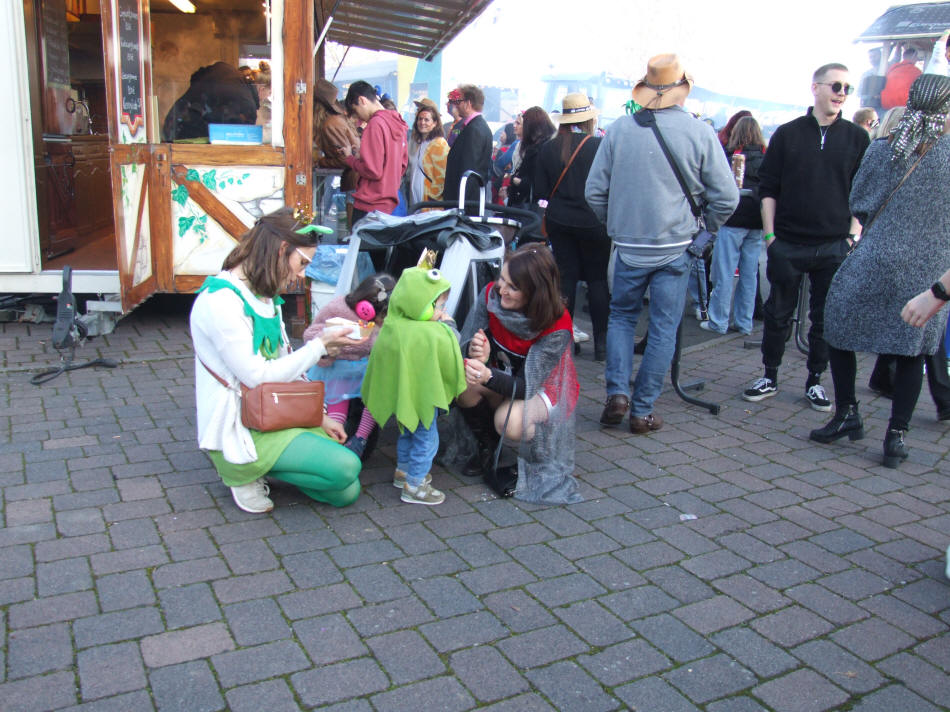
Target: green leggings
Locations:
point(321, 469)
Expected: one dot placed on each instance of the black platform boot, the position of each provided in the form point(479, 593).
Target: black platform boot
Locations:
point(895, 451)
point(480, 419)
point(846, 421)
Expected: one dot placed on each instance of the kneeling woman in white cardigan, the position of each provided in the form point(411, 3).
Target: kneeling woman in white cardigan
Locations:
point(238, 334)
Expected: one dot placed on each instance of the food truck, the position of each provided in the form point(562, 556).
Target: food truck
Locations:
point(144, 137)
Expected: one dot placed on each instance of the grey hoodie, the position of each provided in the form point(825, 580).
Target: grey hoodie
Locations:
point(632, 188)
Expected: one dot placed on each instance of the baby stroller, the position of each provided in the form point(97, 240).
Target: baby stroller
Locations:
point(470, 251)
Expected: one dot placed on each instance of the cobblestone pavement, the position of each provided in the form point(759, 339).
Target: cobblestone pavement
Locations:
point(810, 578)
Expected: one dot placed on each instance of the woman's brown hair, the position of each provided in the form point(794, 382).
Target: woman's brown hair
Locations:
point(437, 132)
point(532, 269)
point(563, 138)
point(746, 132)
point(262, 253)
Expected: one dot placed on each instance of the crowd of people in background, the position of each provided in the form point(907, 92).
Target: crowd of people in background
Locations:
point(653, 191)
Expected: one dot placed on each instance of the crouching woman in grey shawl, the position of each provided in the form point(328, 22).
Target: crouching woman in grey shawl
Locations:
point(520, 377)
point(900, 194)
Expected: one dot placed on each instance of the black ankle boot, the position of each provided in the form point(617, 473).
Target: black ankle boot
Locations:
point(480, 420)
point(846, 421)
point(895, 451)
point(600, 347)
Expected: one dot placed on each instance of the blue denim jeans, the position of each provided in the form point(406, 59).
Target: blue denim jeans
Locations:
point(667, 298)
point(415, 450)
point(735, 247)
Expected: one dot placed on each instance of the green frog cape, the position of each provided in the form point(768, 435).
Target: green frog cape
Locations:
point(416, 364)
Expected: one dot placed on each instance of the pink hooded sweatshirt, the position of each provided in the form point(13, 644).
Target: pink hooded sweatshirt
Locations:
point(381, 163)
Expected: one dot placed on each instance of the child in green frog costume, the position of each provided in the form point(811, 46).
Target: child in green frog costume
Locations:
point(415, 370)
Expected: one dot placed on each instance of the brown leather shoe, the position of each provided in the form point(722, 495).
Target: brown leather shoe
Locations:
point(615, 409)
point(646, 424)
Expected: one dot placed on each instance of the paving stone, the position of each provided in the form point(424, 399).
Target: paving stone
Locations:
point(488, 579)
point(377, 582)
point(594, 624)
point(128, 559)
point(328, 639)
point(735, 704)
point(815, 556)
point(779, 532)
point(892, 698)
point(16, 561)
point(110, 669)
point(800, 691)
point(446, 596)
point(673, 638)
point(715, 564)
point(486, 674)
point(248, 557)
point(317, 601)
point(623, 531)
point(183, 645)
point(272, 695)
point(842, 541)
point(652, 693)
point(784, 574)
point(568, 686)
point(34, 651)
point(188, 686)
point(64, 576)
point(855, 584)
point(542, 561)
point(928, 595)
point(917, 674)
point(648, 556)
point(791, 626)
point(680, 584)
point(872, 639)
point(540, 647)
point(188, 572)
point(427, 565)
point(754, 651)
point(405, 657)
point(477, 550)
point(311, 569)
point(257, 621)
point(839, 666)
point(128, 590)
point(52, 609)
point(713, 614)
point(120, 625)
point(370, 552)
point(751, 548)
point(826, 604)
point(441, 693)
point(243, 588)
point(518, 610)
point(138, 700)
point(611, 573)
point(192, 544)
point(239, 667)
point(565, 589)
point(46, 692)
point(711, 678)
point(70, 547)
point(189, 605)
point(392, 615)
point(623, 662)
point(332, 683)
point(463, 631)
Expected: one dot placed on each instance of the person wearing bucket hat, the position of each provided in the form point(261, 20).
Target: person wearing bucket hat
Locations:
point(579, 240)
point(804, 183)
point(903, 250)
point(428, 150)
point(633, 189)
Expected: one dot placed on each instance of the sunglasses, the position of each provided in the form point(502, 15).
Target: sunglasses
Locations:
point(304, 260)
point(838, 87)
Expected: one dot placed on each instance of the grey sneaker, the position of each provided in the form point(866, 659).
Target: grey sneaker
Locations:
point(253, 497)
point(399, 478)
point(423, 494)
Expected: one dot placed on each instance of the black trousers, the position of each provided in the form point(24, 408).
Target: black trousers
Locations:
point(582, 254)
point(908, 377)
point(937, 377)
point(788, 263)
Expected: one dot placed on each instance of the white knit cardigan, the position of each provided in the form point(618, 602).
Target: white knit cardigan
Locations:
point(222, 335)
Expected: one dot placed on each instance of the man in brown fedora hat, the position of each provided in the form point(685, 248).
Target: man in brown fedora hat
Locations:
point(633, 189)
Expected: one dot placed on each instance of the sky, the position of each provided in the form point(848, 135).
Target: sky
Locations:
point(766, 50)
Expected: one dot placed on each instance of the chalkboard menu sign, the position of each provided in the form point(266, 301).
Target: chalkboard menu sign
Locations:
point(131, 96)
point(55, 44)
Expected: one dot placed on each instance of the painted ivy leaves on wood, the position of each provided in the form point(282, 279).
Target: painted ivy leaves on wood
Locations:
point(197, 220)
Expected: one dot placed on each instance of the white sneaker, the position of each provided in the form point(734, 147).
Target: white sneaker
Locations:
point(580, 336)
point(423, 494)
point(698, 313)
point(253, 497)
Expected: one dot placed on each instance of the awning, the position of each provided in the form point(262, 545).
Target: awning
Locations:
point(907, 22)
point(407, 27)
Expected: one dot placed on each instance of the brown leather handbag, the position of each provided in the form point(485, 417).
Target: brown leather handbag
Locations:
point(278, 406)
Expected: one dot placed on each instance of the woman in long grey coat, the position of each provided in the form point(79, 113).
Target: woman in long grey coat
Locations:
point(900, 193)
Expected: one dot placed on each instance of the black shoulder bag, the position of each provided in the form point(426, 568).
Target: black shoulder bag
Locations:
point(703, 237)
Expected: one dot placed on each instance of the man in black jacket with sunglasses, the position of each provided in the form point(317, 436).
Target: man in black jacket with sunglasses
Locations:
point(804, 183)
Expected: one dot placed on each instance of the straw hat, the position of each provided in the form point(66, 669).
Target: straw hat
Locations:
point(326, 92)
point(576, 108)
point(666, 83)
point(425, 103)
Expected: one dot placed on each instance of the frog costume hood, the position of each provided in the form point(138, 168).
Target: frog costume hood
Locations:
point(416, 364)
